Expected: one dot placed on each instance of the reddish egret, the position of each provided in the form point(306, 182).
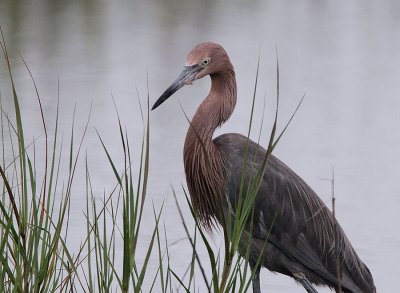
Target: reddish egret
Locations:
point(294, 233)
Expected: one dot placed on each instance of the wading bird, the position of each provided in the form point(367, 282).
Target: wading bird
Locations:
point(293, 232)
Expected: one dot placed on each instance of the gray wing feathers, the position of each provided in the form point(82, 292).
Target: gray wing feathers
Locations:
point(293, 217)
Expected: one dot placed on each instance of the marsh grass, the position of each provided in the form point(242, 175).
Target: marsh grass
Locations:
point(33, 228)
point(35, 215)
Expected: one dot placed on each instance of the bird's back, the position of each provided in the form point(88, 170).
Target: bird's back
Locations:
point(301, 233)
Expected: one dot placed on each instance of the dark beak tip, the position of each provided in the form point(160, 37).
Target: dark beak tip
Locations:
point(157, 103)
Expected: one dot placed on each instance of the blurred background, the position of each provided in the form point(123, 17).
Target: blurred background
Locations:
point(345, 55)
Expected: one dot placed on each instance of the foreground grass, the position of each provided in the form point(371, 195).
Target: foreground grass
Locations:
point(35, 213)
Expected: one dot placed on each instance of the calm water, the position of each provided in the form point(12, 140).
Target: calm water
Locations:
point(344, 54)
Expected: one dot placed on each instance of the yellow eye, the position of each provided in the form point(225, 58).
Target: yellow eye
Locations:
point(205, 61)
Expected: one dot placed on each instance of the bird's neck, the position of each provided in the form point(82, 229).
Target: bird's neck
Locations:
point(202, 159)
point(216, 108)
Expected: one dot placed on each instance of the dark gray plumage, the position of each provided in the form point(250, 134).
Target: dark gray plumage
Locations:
point(300, 229)
point(293, 232)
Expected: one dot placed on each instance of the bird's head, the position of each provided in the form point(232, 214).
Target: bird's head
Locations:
point(204, 59)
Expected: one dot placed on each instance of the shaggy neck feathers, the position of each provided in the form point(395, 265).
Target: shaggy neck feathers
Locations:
point(204, 162)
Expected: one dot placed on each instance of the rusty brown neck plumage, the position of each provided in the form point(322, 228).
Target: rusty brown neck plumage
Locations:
point(204, 162)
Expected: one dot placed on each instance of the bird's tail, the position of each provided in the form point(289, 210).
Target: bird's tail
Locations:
point(355, 271)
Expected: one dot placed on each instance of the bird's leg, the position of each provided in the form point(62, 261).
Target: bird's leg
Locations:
point(255, 280)
point(305, 282)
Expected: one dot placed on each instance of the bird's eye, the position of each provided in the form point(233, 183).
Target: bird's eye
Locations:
point(206, 61)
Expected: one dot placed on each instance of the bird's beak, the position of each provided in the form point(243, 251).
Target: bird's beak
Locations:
point(187, 76)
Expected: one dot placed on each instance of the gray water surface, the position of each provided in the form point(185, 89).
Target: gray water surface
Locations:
point(344, 54)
